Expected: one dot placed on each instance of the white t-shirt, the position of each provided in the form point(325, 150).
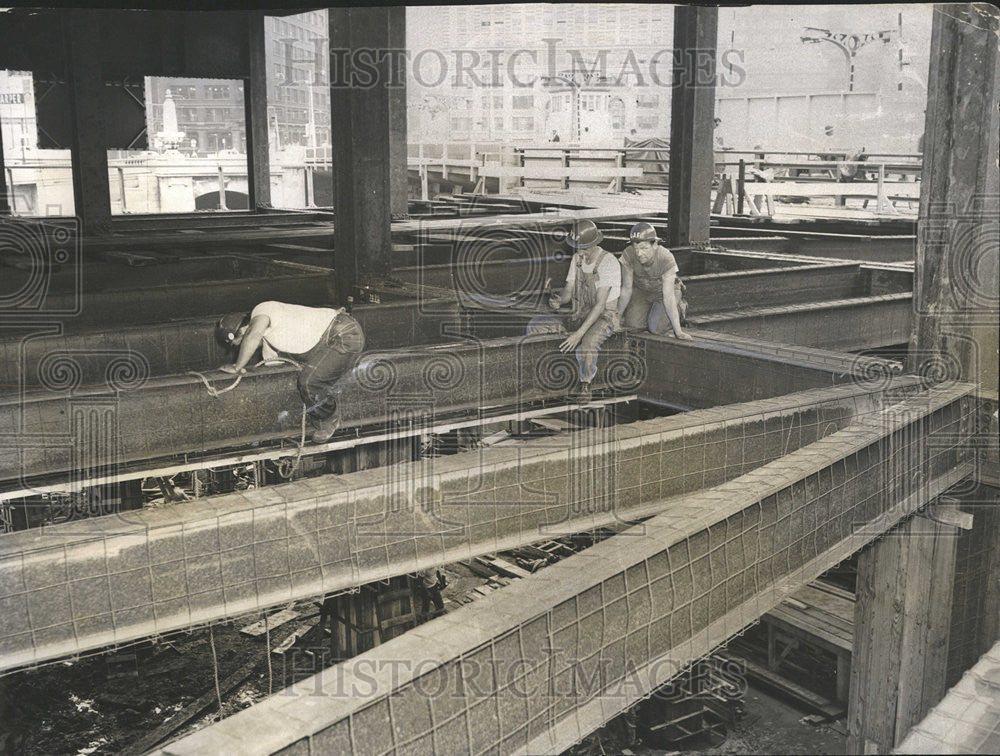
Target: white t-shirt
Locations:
point(294, 329)
point(608, 274)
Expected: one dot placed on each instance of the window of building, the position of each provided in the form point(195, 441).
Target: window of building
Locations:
point(523, 123)
point(647, 121)
point(647, 101)
point(523, 102)
point(39, 182)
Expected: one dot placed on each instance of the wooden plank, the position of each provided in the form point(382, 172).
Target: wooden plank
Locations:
point(503, 567)
point(275, 620)
point(833, 642)
point(554, 172)
point(829, 708)
point(189, 712)
point(288, 642)
point(942, 585)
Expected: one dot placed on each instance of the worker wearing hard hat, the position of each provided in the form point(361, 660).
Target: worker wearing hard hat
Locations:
point(650, 287)
point(592, 286)
point(324, 341)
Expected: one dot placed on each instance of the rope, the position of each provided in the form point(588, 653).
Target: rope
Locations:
point(270, 674)
point(215, 666)
point(212, 391)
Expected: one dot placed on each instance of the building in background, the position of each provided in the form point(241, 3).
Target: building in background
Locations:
point(786, 73)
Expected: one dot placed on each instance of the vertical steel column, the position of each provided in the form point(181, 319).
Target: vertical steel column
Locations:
point(692, 121)
point(399, 170)
point(91, 191)
point(255, 108)
point(359, 99)
point(956, 276)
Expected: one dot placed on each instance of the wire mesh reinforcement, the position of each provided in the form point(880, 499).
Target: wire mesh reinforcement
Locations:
point(539, 665)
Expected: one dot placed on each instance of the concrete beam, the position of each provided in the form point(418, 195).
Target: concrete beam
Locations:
point(692, 114)
point(83, 585)
point(537, 666)
point(967, 720)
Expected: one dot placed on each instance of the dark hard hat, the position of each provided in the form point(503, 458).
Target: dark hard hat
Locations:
point(585, 234)
point(642, 232)
point(228, 326)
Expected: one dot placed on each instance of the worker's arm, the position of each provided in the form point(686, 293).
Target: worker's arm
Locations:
point(249, 345)
point(626, 296)
point(670, 305)
point(558, 300)
point(573, 340)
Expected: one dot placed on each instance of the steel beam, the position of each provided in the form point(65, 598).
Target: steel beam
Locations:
point(849, 325)
point(79, 586)
point(522, 280)
point(29, 359)
point(137, 417)
point(539, 665)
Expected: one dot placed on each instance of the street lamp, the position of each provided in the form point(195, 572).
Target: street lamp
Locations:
point(848, 44)
point(574, 102)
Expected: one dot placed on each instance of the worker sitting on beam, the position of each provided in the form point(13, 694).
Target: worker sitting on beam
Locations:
point(593, 286)
point(325, 342)
point(650, 287)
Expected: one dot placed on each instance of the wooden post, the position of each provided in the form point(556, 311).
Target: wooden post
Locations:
point(222, 190)
point(565, 164)
point(6, 190)
point(121, 189)
point(741, 186)
point(255, 110)
point(359, 98)
point(692, 121)
point(902, 618)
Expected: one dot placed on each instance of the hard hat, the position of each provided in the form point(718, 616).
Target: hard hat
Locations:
point(642, 232)
point(585, 234)
point(228, 325)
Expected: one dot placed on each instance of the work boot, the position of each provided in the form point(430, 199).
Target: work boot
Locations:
point(325, 429)
point(583, 394)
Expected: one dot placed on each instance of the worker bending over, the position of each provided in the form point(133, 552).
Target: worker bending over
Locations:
point(324, 341)
point(592, 286)
point(649, 284)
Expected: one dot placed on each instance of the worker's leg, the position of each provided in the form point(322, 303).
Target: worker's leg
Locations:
point(637, 311)
point(658, 321)
point(326, 362)
point(586, 352)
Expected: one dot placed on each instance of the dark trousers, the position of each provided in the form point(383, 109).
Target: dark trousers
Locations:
point(428, 596)
point(323, 365)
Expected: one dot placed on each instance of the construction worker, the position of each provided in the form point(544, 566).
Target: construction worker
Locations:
point(649, 284)
point(593, 286)
point(429, 584)
point(325, 342)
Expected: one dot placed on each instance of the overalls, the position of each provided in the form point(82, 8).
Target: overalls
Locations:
point(584, 298)
point(645, 308)
point(333, 355)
